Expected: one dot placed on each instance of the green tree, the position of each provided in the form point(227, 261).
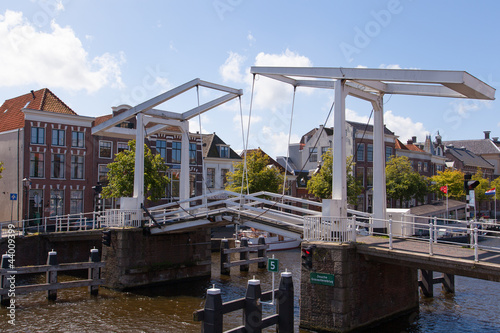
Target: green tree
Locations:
point(121, 175)
point(320, 184)
point(402, 182)
point(454, 179)
point(262, 176)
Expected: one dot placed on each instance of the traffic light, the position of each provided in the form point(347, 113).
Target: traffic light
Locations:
point(469, 184)
point(106, 237)
point(307, 256)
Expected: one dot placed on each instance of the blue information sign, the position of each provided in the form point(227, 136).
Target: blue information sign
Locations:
point(13, 196)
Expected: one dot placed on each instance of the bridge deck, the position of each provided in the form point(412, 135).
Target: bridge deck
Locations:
point(446, 258)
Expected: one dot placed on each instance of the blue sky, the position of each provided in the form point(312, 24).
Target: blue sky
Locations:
point(98, 54)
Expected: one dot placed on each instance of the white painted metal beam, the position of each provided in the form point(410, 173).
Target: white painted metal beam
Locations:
point(207, 106)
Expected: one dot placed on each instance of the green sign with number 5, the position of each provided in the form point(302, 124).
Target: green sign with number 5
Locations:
point(272, 265)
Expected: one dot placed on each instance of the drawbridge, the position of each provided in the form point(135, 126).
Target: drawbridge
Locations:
point(280, 214)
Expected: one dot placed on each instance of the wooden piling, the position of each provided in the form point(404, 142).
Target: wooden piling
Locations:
point(261, 253)
point(52, 275)
point(284, 304)
point(252, 313)
point(224, 257)
point(212, 322)
point(244, 255)
point(94, 272)
point(5, 299)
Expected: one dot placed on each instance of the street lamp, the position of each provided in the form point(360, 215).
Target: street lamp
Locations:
point(26, 184)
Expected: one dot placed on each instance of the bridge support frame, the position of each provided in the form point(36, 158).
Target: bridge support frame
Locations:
point(427, 282)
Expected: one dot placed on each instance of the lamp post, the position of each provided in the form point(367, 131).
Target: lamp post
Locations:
point(26, 185)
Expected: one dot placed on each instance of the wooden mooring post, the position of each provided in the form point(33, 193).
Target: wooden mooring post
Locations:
point(427, 282)
point(8, 273)
point(212, 315)
point(244, 250)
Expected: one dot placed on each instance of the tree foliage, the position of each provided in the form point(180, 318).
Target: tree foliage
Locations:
point(454, 179)
point(495, 183)
point(121, 175)
point(402, 181)
point(320, 184)
point(262, 176)
point(484, 185)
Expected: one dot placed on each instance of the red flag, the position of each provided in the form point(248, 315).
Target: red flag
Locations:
point(444, 189)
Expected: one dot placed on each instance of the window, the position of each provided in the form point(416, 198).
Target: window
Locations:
point(58, 137)
point(36, 165)
point(192, 153)
point(77, 167)
point(57, 170)
point(369, 152)
point(360, 176)
point(102, 176)
point(38, 135)
point(174, 184)
point(313, 154)
point(426, 167)
point(78, 139)
point(210, 177)
point(105, 148)
point(161, 148)
point(369, 177)
point(223, 151)
point(192, 185)
point(223, 176)
point(360, 154)
point(419, 167)
point(388, 153)
point(176, 152)
point(56, 202)
point(323, 151)
point(121, 146)
point(76, 202)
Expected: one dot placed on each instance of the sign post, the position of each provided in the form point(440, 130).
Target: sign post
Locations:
point(13, 197)
point(273, 266)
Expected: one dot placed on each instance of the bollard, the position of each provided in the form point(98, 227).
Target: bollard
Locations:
point(252, 313)
point(244, 255)
point(5, 299)
point(52, 275)
point(284, 304)
point(94, 273)
point(212, 322)
point(262, 253)
point(224, 257)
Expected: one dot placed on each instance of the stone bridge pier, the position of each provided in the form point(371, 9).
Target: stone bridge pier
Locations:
point(362, 293)
point(136, 258)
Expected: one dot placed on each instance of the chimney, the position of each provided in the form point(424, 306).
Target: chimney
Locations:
point(409, 142)
point(486, 134)
point(495, 139)
point(33, 94)
point(414, 139)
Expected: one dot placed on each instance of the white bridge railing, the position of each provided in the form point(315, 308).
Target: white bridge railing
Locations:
point(478, 235)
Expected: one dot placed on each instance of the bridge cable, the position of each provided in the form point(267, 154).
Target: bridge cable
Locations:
point(288, 145)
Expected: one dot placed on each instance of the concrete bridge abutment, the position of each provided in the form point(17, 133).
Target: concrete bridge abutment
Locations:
point(344, 291)
point(136, 258)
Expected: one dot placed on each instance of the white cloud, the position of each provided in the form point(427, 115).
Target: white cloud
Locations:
point(54, 59)
point(231, 70)
point(250, 38)
point(271, 94)
point(276, 142)
point(237, 120)
point(194, 124)
point(404, 127)
point(393, 66)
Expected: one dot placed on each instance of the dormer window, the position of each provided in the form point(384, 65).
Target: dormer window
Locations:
point(223, 151)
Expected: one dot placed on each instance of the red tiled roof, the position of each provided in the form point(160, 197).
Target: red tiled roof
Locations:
point(400, 145)
point(408, 146)
point(11, 116)
point(101, 119)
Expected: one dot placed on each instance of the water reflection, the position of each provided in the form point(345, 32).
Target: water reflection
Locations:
point(473, 308)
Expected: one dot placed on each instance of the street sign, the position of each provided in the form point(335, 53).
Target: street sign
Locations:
point(272, 265)
point(322, 278)
point(13, 196)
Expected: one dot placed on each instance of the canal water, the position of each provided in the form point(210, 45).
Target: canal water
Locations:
point(475, 307)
